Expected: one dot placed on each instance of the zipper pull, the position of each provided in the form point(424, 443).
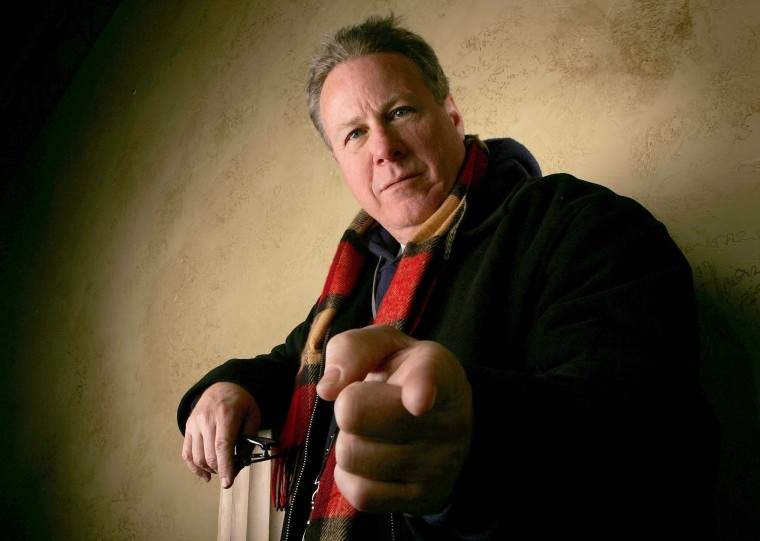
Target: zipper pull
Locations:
point(313, 499)
point(328, 448)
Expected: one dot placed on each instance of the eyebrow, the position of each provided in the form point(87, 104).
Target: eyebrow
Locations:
point(385, 106)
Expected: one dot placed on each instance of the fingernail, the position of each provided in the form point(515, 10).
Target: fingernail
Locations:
point(331, 375)
point(225, 482)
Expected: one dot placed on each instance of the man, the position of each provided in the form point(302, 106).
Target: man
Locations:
point(495, 354)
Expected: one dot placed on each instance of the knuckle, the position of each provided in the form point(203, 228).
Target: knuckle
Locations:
point(222, 445)
point(191, 466)
point(348, 410)
point(344, 452)
point(362, 499)
point(351, 489)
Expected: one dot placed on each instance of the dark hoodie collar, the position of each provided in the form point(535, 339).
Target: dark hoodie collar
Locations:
point(510, 164)
point(382, 244)
point(507, 149)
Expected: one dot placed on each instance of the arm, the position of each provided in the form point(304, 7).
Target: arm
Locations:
point(584, 388)
point(588, 402)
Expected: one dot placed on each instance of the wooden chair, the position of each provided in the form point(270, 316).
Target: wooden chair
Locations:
point(245, 510)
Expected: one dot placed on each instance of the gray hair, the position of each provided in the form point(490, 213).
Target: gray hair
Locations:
point(375, 35)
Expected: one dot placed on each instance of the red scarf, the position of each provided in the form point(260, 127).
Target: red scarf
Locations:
point(402, 308)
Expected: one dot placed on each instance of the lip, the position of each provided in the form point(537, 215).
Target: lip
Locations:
point(399, 179)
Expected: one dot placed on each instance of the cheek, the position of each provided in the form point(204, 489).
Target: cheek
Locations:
point(358, 178)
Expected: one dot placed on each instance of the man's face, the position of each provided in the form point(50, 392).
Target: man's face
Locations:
point(399, 150)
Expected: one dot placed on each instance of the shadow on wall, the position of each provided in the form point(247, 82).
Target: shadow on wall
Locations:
point(729, 381)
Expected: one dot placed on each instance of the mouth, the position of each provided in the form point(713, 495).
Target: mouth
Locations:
point(400, 180)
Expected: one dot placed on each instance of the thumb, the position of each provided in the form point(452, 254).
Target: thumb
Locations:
point(352, 355)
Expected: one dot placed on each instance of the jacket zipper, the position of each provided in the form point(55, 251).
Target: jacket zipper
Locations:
point(321, 471)
point(301, 470)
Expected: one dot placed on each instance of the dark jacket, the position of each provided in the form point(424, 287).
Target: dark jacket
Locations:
point(573, 313)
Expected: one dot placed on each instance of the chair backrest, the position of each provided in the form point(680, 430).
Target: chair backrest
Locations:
point(245, 510)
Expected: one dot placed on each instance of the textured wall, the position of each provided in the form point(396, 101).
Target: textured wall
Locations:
point(185, 212)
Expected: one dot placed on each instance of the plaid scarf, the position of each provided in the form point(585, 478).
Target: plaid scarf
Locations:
point(402, 308)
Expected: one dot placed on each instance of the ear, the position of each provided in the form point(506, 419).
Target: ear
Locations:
point(453, 111)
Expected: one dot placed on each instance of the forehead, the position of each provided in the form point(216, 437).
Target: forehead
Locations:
point(373, 75)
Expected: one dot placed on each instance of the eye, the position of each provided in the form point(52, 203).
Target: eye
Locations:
point(354, 134)
point(401, 111)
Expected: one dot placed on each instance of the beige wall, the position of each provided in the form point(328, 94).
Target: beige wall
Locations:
point(185, 213)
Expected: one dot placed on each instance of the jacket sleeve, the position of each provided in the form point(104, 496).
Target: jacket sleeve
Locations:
point(268, 377)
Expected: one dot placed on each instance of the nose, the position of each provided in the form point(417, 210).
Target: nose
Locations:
point(387, 145)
